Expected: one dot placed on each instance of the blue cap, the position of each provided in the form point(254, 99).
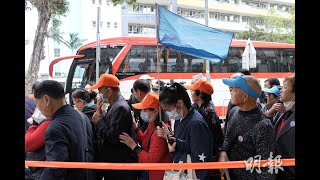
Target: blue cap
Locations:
point(274, 90)
point(239, 82)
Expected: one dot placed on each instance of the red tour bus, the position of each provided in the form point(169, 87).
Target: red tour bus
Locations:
point(130, 57)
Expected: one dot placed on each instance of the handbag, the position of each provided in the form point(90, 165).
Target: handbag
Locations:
point(179, 174)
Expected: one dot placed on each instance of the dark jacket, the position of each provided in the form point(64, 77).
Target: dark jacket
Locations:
point(29, 105)
point(249, 134)
point(89, 110)
point(118, 119)
point(210, 116)
point(65, 141)
point(285, 144)
point(193, 137)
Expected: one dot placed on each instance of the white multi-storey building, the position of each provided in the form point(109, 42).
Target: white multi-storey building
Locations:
point(139, 19)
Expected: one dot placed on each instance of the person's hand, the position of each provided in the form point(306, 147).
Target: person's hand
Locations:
point(163, 132)
point(127, 140)
point(134, 123)
point(223, 157)
point(172, 147)
point(276, 107)
point(99, 104)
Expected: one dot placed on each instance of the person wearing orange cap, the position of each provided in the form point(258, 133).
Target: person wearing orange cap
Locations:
point(153, 149)
point(201, 92)
point(109, 125)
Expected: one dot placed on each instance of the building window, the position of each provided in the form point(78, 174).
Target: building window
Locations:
point(191, 13)
point(141, 29)
point(57, 52)
point(101, 23)
point(133, 29)
point(108, 2)
point(94, 24)
point(139, 8)
point(108, 24)
point(93, 1)
point(245, 19)
point(115, 24)
point(100, 1)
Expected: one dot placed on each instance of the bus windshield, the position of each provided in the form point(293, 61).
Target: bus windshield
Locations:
point(83, 70)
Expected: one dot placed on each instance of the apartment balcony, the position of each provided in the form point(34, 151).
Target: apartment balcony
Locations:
point(241, 9)
point(223, 25)
point(139, 18)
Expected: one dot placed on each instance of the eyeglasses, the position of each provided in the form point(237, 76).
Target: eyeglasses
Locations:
point(76, 101)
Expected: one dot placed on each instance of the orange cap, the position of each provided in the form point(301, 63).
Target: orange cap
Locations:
point(202, 85)
point(151, 100)
point(106, 80)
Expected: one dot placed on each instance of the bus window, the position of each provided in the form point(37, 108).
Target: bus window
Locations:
point(107, 55)
point(180, 62)
point(140, 59)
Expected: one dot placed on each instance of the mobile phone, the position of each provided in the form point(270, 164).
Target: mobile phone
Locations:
point(160, 124)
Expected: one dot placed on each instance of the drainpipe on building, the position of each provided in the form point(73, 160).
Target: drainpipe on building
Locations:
point(174, 6)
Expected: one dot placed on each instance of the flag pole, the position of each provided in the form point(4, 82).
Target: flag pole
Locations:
point(206, 14)
point(158, 60)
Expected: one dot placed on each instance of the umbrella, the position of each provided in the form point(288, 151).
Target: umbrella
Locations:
point(249, 56)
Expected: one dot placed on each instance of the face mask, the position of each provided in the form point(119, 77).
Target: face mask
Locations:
point(144, 116)
point(104, 100)
point(37, 116)
point(289, 104)
point(174, 115)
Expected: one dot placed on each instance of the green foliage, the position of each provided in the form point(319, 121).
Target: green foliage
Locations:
point(54, 31)
point(274, 29)
point(73, 42)
point(116, 2)
point(62, 9)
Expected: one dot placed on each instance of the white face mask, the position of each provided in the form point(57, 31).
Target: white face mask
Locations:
point(174, 115)
point(104, 100)
point(37, 116)
point(289, 104)
point(144, 116)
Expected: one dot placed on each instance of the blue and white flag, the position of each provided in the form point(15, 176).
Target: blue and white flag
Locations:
point(190, 37)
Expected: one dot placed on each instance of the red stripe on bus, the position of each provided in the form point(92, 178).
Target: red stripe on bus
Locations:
point(120, 58)
point(153, 41)
point(174, 75)
point(61, 59)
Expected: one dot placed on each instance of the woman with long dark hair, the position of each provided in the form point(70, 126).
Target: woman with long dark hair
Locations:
point(190, 130)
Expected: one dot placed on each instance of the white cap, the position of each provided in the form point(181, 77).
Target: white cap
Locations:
point(146, 76)
point(197, 76)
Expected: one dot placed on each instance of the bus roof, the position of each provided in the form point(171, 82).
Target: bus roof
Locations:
point(153, 41)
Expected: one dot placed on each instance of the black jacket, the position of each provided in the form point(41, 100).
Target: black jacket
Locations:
point(285, 144)
point(65, 141)
point(118, 119)
point(89, 110)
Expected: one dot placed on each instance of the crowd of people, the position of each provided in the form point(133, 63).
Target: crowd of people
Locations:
point(160, 123)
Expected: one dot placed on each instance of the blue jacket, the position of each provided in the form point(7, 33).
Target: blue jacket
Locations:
point(30, 105)
point(65, 141)
point(193, 137)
